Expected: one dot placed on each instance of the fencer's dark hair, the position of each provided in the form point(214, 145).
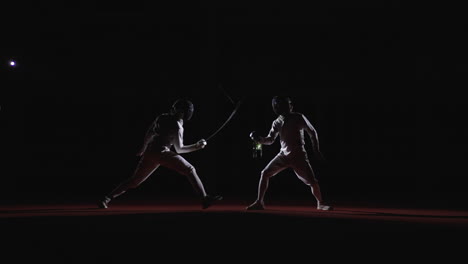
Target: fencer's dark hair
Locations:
point(281, 105)
point(181, 104)
point(281, 99)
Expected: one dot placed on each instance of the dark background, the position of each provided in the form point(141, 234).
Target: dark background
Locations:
point(382, 82)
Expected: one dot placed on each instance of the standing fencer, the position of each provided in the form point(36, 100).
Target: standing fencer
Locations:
point(166, 131)
point(290, 126)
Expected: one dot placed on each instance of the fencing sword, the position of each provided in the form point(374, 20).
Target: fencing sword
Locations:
point(236, 107)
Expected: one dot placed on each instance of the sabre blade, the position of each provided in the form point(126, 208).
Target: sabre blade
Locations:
point(225, 122)
point(226, 94)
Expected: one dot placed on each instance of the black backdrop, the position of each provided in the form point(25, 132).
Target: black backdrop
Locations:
point(381, 81)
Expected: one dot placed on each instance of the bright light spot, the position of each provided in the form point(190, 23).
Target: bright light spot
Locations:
point(12, 63)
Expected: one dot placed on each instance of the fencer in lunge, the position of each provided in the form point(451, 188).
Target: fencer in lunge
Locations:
point(166, 131)
point(290, 126)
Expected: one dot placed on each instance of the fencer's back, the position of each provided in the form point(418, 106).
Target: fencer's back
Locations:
point(166, 130)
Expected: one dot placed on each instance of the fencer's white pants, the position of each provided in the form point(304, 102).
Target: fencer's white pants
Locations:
point(296, 160)
point(150, 161)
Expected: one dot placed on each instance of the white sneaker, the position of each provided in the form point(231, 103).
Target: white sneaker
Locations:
point(324, 207)
point(104, 203)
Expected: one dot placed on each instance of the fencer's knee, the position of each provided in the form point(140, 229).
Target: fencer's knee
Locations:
point(190, 170)
point(310, 182)
point(265, 174)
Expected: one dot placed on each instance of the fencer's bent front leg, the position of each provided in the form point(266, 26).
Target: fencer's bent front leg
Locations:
point(196, 182)
point(179, 164)
point(315, 188)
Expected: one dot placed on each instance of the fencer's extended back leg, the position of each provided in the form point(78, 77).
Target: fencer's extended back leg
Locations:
point(306, 174)
point(144, 169)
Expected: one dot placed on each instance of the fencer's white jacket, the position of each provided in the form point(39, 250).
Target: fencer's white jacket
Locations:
point(291, 129)
point(172, 137)
point(178, 141)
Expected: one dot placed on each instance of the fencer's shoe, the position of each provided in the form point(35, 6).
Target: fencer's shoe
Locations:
point(104, 203)
point(208, 200)
point(255, 206)
point(324, 207)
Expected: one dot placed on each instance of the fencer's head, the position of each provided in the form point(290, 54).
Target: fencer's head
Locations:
point(183, 109)
point(282, 105)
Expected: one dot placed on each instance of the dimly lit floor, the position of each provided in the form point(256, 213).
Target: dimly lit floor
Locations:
point(228, 220)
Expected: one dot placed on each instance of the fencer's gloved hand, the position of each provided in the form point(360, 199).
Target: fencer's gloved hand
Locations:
point(201, 143)
point(254, 137)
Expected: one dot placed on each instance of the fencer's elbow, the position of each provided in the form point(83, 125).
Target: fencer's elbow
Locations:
point(182, 150)
point(178, 149)
point(267, 141)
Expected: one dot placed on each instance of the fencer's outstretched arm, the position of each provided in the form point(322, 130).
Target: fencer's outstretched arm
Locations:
point(309, 128)
point(181, 148)
point(269, 139)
